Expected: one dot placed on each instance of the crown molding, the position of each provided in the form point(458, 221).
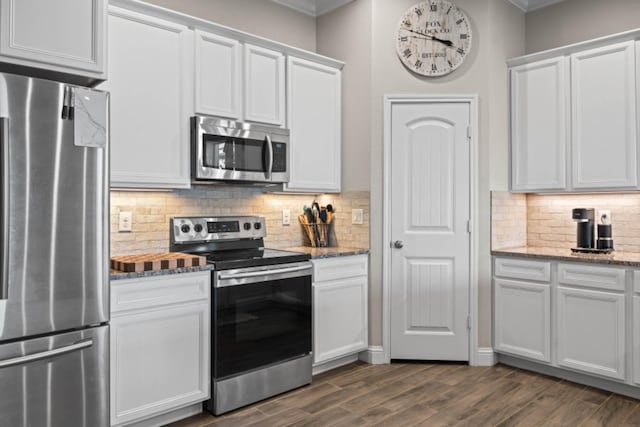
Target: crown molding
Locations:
point(313, 8)
point(529, 5)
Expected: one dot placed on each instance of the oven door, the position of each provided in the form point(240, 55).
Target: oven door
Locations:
point(261, 316)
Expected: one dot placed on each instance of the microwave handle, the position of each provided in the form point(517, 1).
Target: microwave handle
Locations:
point(267, 141)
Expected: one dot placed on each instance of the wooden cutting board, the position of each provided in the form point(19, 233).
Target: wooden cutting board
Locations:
point(158, 261)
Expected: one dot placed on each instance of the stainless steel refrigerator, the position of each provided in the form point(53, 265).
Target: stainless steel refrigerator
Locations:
point(54, 284)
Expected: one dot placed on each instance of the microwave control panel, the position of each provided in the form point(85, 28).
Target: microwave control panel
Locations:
point(279, 157)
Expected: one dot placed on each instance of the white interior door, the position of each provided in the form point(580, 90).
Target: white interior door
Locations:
point(430, 211)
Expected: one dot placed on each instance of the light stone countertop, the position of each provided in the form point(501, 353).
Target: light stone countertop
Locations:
point(630, 259)
point(329, 252)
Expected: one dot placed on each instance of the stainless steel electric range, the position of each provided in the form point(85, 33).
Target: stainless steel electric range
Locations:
point(260, 311)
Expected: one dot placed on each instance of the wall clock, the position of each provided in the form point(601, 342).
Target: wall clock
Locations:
point(434, 38)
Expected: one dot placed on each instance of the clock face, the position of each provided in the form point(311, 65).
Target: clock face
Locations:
point(434, 38)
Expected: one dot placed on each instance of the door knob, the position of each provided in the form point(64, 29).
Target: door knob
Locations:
point(398, 244)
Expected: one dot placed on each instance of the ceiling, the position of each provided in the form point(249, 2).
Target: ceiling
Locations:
point(320, 7)
point(313, 7)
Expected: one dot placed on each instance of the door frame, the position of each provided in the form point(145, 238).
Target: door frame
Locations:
point(389, 102)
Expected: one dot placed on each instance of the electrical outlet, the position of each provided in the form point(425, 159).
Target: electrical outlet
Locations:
point(357, 216)
point(606, 213)
point(125, 223)
point(286, 217)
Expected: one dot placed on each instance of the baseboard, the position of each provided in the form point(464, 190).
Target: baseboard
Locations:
point(485, 356)
point(374, 355)
point(169, 417)
point(335, 363)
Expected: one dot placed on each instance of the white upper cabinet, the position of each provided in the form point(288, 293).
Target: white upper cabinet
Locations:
point(574, 117)
point(264, 80)
point(539, 93)
point(218, 85)
point(150, 75)
point(64, 36)
point(603, 105)
point(314, 119)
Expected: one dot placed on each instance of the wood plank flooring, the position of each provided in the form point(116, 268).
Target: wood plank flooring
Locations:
point(428, 394)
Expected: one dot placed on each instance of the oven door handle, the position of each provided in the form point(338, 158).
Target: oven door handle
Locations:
point(263, 272)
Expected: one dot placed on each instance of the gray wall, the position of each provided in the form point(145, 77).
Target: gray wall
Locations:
point(260, 17)
point(498, 34)
point(345, 34)
point(572, 21)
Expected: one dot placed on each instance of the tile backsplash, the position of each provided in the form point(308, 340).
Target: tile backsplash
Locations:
point(152, 211)
point(548, 219)
point(508, 220)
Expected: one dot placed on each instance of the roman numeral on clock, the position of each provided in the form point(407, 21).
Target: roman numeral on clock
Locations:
point(418, 63)
point(407, 53)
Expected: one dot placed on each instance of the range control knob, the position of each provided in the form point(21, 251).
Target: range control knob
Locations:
point(247, 226)
point(197, 228)
point(257, 225)
point(185, 228)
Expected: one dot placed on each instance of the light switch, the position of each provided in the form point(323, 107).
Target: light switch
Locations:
point(286, 217)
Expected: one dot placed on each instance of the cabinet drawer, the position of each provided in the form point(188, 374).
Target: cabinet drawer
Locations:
point(339, 268)
point(593, 277)
point(147, 292)
point(522, 269)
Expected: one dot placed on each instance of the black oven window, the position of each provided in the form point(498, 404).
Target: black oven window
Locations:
point(260, 324)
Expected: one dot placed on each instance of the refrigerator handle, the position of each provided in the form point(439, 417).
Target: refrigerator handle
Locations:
point(4, 207)
point(80, 345)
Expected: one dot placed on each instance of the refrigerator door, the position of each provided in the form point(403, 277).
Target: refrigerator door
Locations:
point(57, 381)
point(53, 207)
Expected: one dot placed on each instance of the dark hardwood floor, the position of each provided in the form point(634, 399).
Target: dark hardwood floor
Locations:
point(426, 394)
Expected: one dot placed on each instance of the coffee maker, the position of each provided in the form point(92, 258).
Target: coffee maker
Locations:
point(585, 229)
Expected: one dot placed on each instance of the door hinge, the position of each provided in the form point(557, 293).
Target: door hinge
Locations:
point(469, 226)
point(469, 322)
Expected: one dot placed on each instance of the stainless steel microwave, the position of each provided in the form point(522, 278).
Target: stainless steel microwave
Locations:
point(227, 150)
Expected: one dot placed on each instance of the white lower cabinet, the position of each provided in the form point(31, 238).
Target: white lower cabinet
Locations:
point(523, 318)
point(636, 327)
point(567, 315)
point(339, 307)
point(591, 331)
point(159, 345)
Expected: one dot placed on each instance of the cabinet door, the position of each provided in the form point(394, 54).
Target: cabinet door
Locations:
point(159, 361)
point(63, 35)
point(218, 76)
point(314, 118)
point(539, 125)
point(150, 70)
point(603, 91)
point(591, 331)
point(264, 85)
point(523, 319)
point(339, 318)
